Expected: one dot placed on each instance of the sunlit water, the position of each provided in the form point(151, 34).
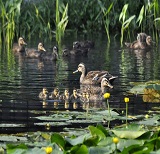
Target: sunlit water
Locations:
point(22, 79)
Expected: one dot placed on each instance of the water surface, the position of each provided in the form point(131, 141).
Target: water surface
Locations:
point(22, 79)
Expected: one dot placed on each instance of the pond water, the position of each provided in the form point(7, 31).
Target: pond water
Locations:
point(22, 79)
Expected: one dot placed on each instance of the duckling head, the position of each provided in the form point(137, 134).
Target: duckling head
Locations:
point(45, 91)
point(55, 51)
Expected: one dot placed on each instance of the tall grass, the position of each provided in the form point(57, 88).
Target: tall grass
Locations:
point(125, 22)
point(61, 19)
point(10, 13)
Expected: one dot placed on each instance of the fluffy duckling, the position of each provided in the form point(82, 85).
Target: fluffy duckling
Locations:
point(43, 95)
point(20, 46)
point(54, 95)
point(75, 98)
point(34, 53)
point(48, 56)
point(65, 97)
point(92, 77)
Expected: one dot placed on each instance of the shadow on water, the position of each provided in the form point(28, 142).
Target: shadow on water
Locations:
point(22, 79)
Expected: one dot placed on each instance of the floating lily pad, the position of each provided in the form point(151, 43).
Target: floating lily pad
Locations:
point(52, 123)
point(12, 125)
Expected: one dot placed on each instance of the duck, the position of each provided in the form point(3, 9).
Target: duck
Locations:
point(65, 97)
point(48, 56)
point(75, 52)
point(34, 53)
point(93, 77)
point(20, 46)
point(143, 42)
point(75, 97)
point(43, 95)
point(54, 95)
point(83, 44)
point(96, 89)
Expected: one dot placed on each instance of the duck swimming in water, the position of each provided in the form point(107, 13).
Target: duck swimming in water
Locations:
point(34, 53)
point(20, 46)
point(93, 77)
point(51, 56)
point(43, 95)
point(143, 42)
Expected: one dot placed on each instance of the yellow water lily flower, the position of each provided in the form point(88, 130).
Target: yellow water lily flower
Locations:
point(48, 150)
point(115, 140)
point(126, 99)
point(106, 95)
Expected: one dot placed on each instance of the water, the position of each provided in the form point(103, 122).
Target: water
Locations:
point(22, 79)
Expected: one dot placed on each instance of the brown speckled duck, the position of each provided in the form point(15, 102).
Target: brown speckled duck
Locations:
point(20, 46)
point(92, 77)
point(34, 53)
point(143, 42)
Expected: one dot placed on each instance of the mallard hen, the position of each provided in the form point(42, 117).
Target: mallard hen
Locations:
point(93, 77)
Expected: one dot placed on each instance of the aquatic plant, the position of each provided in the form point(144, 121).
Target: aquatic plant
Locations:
point(61, 20)
point(125, 22)
point(106, 96)
point(126, 100)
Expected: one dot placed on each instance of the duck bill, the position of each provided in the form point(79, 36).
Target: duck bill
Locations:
point(43, 49)
point(75, 71)
point(24, 43)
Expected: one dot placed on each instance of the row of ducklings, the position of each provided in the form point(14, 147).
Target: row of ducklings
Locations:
point(79, 48)
point(143, 42)
point(84, 94)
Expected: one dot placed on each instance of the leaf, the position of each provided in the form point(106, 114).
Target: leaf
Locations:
point(82, 150)
point(58, 139)
point(130, 134)
point(77, 140)
point(96, 132)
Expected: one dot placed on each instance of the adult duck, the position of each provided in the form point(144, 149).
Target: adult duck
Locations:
point(20, 46)
point(75, 52)
point(143, 42)
point(93, 77)
point(51, 56)
point(34, 53)
point(83, 44)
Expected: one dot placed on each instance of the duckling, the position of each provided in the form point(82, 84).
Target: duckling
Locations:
point(65, 97)
point(92, 77)
point(43, 95)
point(34, 53)
point(20, 46)
point(75, 98)
point(142, 37)
point(48, 56)
point(54, 95)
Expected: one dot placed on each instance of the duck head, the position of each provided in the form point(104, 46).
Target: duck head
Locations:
point(21, 41)
point(55, 51)
point(41, 47)
point(81, 68)
point(76, 45)
point(105, 83)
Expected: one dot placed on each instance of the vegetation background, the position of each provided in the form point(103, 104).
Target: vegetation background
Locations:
point(53, 18)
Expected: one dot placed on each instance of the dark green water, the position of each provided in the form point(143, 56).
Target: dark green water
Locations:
point(22, 79)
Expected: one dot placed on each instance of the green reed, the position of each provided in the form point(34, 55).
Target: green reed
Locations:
point(106, 17)
point(10, 13)
point(61, 20)
point(125, 23)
